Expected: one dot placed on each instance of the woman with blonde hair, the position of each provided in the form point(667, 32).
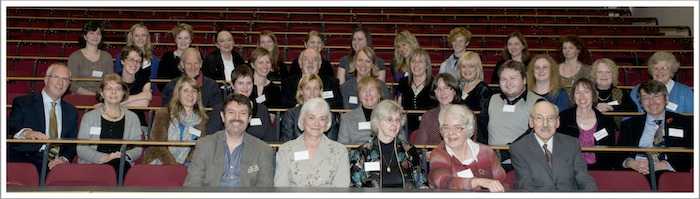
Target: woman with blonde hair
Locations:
point(139, 37)
point(475, 92)
point(404, 44)
point(544, 80)
point(363, 65)
point(310, 86)
point(268, 41)
point(183, 35)
point(605, 74)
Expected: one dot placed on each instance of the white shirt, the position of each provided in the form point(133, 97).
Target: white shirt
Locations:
point(549, 143)
point(46, 101)
point(228, 68)
point(474, 148)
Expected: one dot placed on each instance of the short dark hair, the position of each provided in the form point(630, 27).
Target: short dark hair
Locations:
point(587, 83)
point(240, 99)
point(91, 26)
point(242, 70)
point(515, 65)
point(127, 49)
point(450, 81)
point(651, 87)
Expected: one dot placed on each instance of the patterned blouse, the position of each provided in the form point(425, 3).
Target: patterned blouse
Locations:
point(410, 159)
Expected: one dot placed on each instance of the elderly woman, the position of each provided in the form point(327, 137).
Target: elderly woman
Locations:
point(182, 34)
point(361, 37)
point(313, 160)
point(310, 86)
point(264, 92)
point(355, 125)
point(460, 163)
point(363, 65)
point(404, 45)
point(414, 90)
point(139, 37)
point(387, 161)
point(475, 92)
point(444, 91)
point(573, 52)
point(136, 79)
point(313, 40)
point(459, 40)
point(662, 67)
point(260, 123)
point(219, 63)
point(610, 98)
point(109, 120)
point(515, 48)
point(268, 41)
point(589, 125)
point(184, 119)
point(89, 60)
point(544, 80)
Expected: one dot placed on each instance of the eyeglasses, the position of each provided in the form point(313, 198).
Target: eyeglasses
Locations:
point(418, 61)
point(134, 61)
point(647, 97)
point(443, 89)
point(392, 120)
point(313, 59)
point(113, 89)
point(451, 128)
point(663, 68)
point(55, 77)
point(540, 118)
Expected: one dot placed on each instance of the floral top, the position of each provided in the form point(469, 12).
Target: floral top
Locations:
point(410, 159)
point(328, 168)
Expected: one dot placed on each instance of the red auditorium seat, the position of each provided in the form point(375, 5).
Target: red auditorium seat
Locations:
point(29, 49)
point(491, 42)
point(620, 180)
point(341, 18)
point(272, 17)
point(436, 56)
point(36, 34)
point(156, 175)
point(82, 175)
point(303, 27)
point(339, 40)
point(22, 174)
point(668, 44)
point(19, 87)
point(383, 40)
point(387, 55)
point(53, 50)
point(337, 54)
point(274, 27)
point(367, 18)
point(81, 100)
point(676, 182)
point(378, 28)
point(339, 28)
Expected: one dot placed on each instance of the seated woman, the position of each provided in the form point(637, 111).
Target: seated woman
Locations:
point(313, 160)
point(361, 37)
point(137, 80)
point(260, 123)
point(387, 161)
point(89, 61)
point(313, 40)
point(279, 71)
point(404, 45)
point(139, 37)
point(219, 63)
point(460, 163)
point(573, 52)
point(265, 91)
point(590, 126)
point(414, 89)
point(544, 80)
point(355, 125)
point(459, 40)
point(109, 120)
point(363, 65)
point(662, 67)
point(310, 86)
point(444, 92)
point(475, 92)
point(183, 35)
point(515, 48)
point(610, 98)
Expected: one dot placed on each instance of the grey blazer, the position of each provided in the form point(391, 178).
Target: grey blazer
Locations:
point(569, 171)
point(349, 132)
point(207, 163)
point(88, 154)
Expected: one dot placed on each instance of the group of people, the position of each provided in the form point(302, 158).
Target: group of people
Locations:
point(552, 110)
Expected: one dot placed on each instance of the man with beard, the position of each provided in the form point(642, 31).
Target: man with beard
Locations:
point(245, 159)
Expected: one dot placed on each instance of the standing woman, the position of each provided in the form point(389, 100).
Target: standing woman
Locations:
point(475, 92)
point(268, 41)
point(515, 48)
point(109, 120)
point(662, 66)
point(589, 125)
point(89, 61)
point(183, 119)
point(414, 89)
point(459, 40)
point(265, 91)
point(310, 86)
point(313, 40)
point(363, 65)
point(139, 37)
point(610, 98)
point(444, 92)
point(136, 80)
point(361, 37)
point(400, 164)
point(543, 80)
point(404, 44)
point(312, 159)
point(167, 69)
point(573, 52)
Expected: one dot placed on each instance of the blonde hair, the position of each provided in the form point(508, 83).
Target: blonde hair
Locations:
point(275, 54)
point(372, 57)
point(182, 27)
point(428, 65)
point(613, 68)
point(369, 81)
point(456, 33)
point(306, 79)
point(403, 37)
point(147, 48)
point(174, 106)
point(554, 77)
point(471, 59)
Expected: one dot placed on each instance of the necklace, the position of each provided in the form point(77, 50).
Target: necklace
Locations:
point(416, 90)
point(606, 98)
point(391, 160)
point(104, 111)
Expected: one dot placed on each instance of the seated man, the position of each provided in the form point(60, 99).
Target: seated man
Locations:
point(44, 116)
point(657, 128)
point(190, 64)
point(310, 62)
point(546, 160)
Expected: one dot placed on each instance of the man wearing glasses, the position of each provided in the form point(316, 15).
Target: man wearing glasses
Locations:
point(310, 63)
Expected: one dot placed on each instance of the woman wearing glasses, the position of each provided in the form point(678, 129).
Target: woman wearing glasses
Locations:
point(662, 67)
point(444, 91)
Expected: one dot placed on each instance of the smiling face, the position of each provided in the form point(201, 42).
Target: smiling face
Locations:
point(112, 93)
point(512, 83)
point(603, 76)
point(570, 50)
point(369, 96)
point(140, 37)
point(515, 47)
point(662, 72)
point(191, 63)
point(93, 38)
point(459, 45)
point(389, 127)
point(311, 90)
point(359, 40)
point(453, 133)
point(653, 103)
point(235, 117)
point(310, 61)
point(267, 43)
point(363, 65)
point(243, 85)
point(315, 43)
point(188, 95)
point(418, 65)
point(224, 41)
point(467, 71)
point(262, 66)
point(544, 119)
point(583, 96)
point(405, 49)
point(315, 122)
point(542, 69)
point(57, 81)
point(444, 93)
point(133, 63)
point(183, 40)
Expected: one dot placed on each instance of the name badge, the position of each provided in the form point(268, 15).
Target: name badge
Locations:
point(352, 100)
point(195, 131)
point(145, 64)
point(260, 99)
point(675, 132)
point(255, 122)
point(363, 126)
point(600, 134)
point(464, 95)
point(672, 106)
point(467, 173)
point(95, 130)
point(420, 118)
point(372, 166)
point(301, 155)
point(96, 73)
point(509, 108)
point(613, 103)
point(327, 94)
point(253, 168)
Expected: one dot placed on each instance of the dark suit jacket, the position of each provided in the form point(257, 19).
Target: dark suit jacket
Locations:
point(208, 161)
point(568, 172)
point(569, 126)
point(213, 65)
point(632, 131)
point(28, 112)
point(289, 90)
point(211, 93)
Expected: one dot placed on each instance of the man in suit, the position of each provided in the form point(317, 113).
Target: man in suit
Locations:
point(546, 160)
point(310, 62)
point(677, 131)
point(32, 118)
point(190, 65)
point(232, 157)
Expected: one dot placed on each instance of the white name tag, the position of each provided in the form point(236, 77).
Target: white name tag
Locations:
point(372, 166)
point(146, 64)
point(672, 106)
point(255, 122)
point(613, 103)
point(675, 132)
point(600, 134)
point(301, 155)
point(95, 130)
point(467, 173)
point(327, 94)
point(363, 126)
point(253, 168)
point(352, 100)
point(508, 108)
point(260, 99)
point(195, 131)
point(420, 118)
point(96, 73)
point(464, 95)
